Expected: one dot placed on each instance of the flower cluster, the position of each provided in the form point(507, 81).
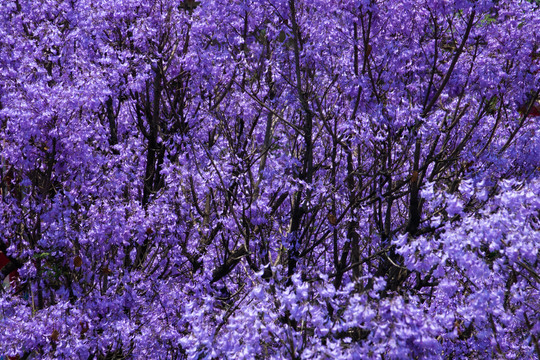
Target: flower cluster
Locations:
point(217, 179)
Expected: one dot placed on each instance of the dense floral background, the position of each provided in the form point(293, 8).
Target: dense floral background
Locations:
point(298, 179)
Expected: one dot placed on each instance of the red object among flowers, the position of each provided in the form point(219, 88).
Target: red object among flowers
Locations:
point(14, 275)
point(534, 111)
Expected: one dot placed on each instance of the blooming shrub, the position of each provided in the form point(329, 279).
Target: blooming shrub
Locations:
point(270, 179)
